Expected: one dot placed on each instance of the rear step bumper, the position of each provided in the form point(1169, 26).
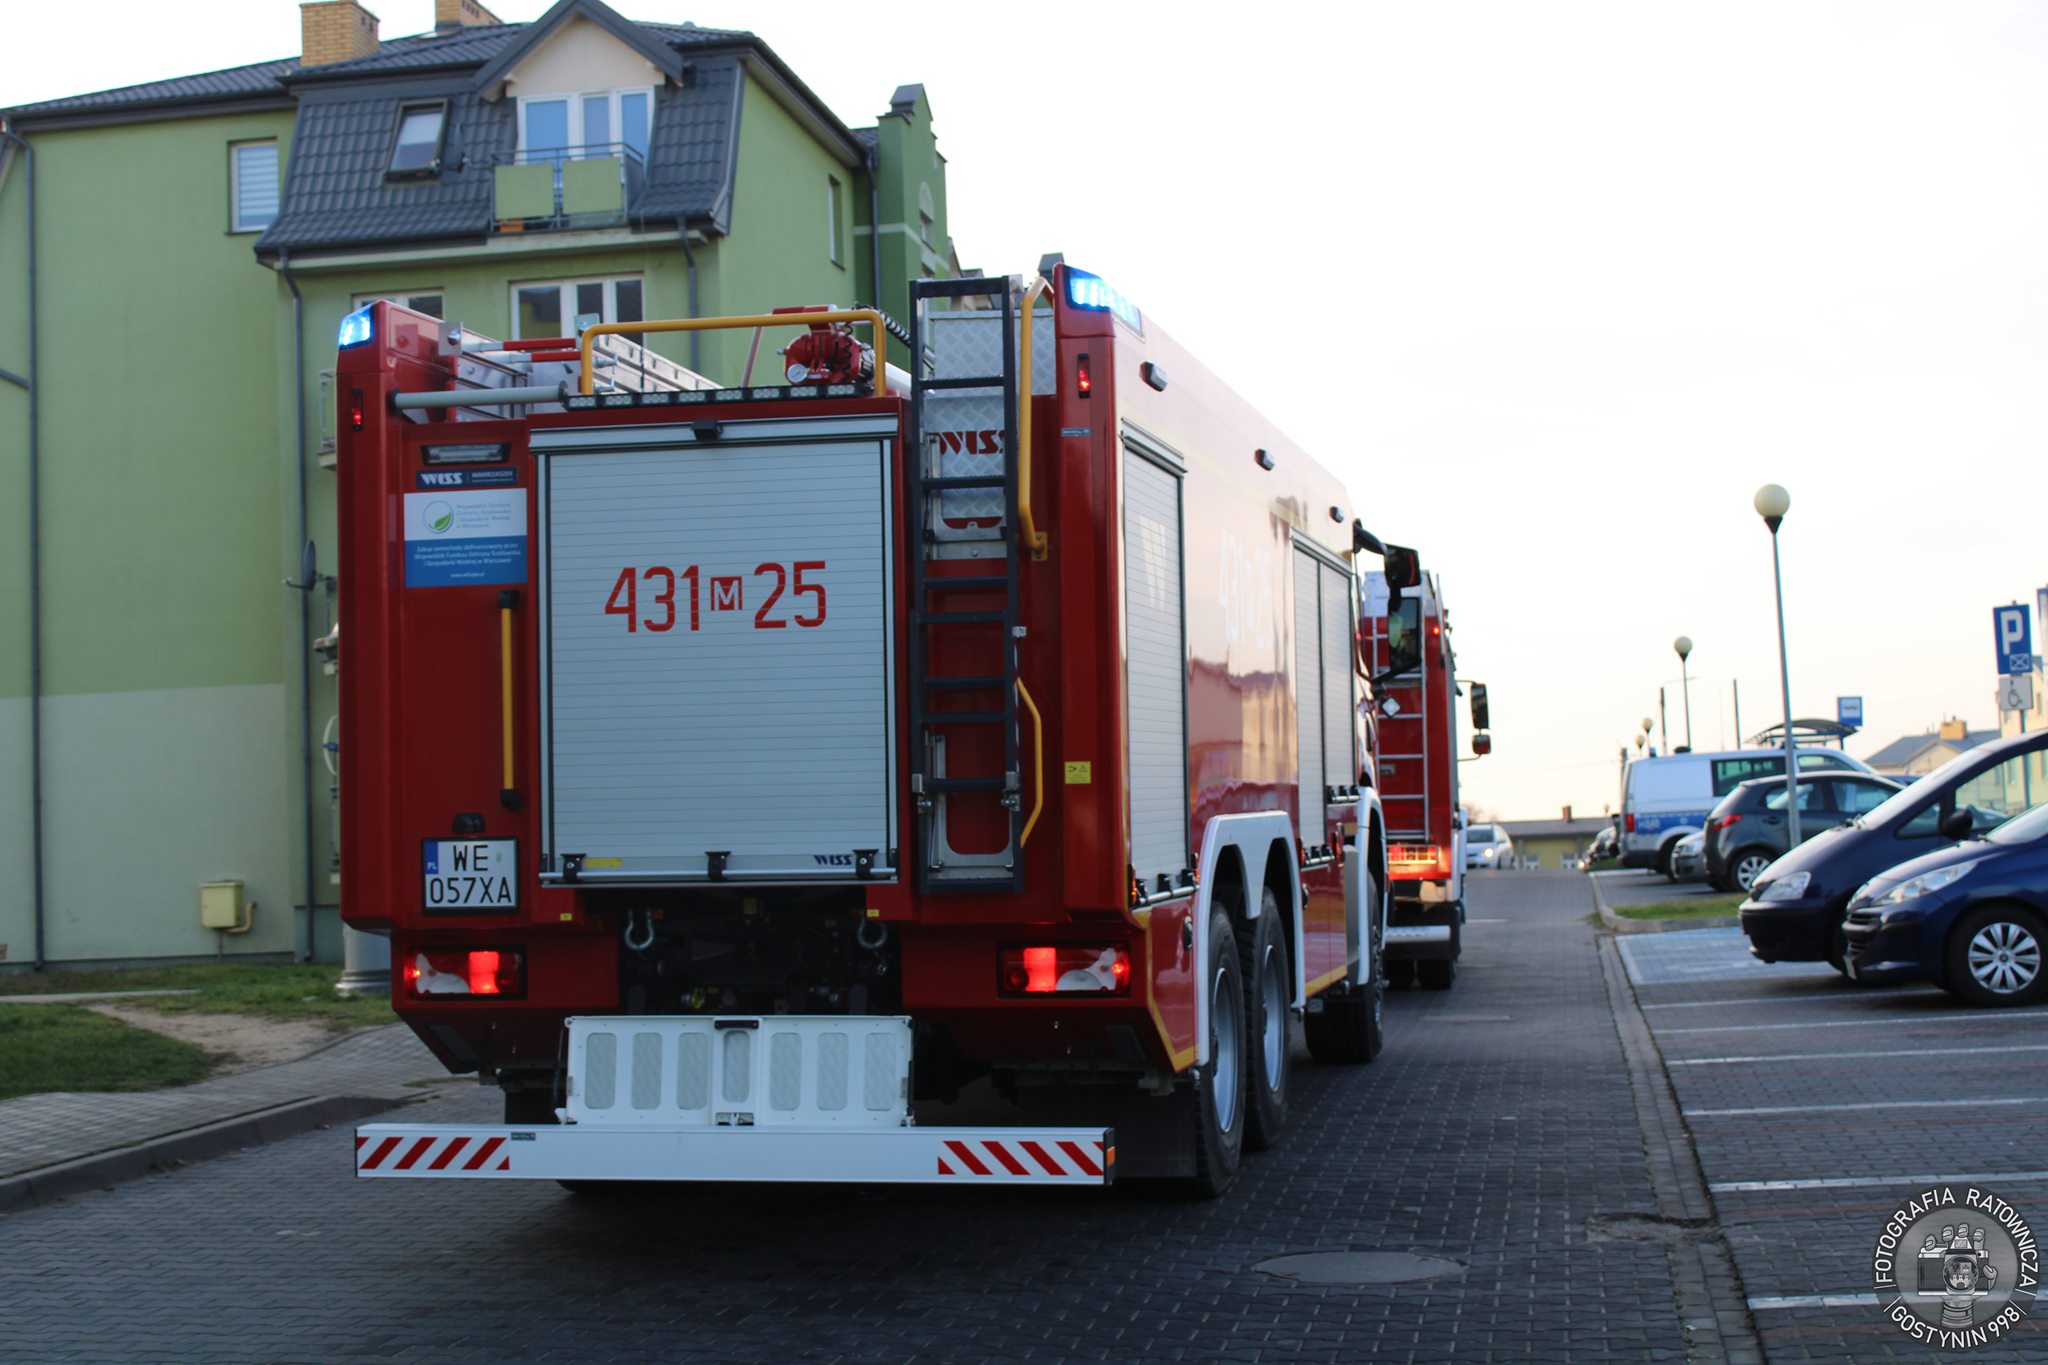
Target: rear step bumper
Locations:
point(804, 1155)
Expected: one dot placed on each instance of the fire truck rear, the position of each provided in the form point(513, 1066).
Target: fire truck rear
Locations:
point(945, 776)
point(1407, 640)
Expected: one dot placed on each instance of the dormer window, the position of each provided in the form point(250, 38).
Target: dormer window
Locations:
point(416, 149)
point(588, 124)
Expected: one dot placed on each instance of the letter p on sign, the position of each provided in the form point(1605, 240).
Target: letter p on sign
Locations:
point(2015, 639)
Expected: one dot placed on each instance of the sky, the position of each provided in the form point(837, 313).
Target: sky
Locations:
point(1553, 287)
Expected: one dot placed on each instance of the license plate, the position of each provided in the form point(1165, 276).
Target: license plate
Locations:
point(470, 874)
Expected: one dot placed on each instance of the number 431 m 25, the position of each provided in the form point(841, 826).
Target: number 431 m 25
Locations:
point(658, 586)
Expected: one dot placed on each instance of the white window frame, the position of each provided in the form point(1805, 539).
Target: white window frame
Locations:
point(575, 100)
point(563, 290)
point(833, 200)
point(235, 150)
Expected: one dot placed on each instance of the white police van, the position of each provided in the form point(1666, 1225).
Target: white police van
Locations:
point(1667, 797)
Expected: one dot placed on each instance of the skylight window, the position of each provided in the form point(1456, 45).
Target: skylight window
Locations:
point(416, 151)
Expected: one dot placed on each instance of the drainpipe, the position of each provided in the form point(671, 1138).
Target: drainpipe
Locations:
point(32, 383)
point(875, 240)
point(690, 269)
point(310, 575)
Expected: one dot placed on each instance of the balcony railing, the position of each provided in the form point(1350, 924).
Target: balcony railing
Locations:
point(539, 189)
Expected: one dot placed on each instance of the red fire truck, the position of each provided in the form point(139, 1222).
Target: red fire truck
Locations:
point(786, 783)
point(1407, 642)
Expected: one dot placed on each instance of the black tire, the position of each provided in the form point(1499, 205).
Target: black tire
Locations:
point(1664, 859)
point(1401, 973)
point(1219, 1145)
point(1756, 857)
point(529, 1108)
point(1997, 955)
point(1269, 1022)
point(1436, 973)
point(1348, 1029)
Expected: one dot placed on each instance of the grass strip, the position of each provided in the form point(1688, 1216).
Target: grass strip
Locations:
point(269, 990)
point(67, 1047)
point(1704, 907)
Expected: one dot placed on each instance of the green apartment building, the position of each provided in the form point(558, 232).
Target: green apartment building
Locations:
point(175, 259)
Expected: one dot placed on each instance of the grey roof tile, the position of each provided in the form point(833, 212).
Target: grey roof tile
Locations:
point(258, 80)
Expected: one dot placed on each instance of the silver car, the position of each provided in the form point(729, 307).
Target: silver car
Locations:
point(1689, 859)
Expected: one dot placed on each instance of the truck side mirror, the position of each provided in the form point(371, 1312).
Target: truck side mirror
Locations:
point(1362, 539)
point(1482, 745)
point(1957, 823)
point(1482, 719)
point(1404, 567)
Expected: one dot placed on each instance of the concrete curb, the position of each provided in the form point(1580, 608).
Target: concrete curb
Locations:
point(1653, 926)
point(275, 1124)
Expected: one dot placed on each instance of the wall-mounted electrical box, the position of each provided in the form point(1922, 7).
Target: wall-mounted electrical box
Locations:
point(220, 905)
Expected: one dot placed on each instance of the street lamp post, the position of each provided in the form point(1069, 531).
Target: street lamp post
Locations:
point(1683, 644)
point(1772, 502)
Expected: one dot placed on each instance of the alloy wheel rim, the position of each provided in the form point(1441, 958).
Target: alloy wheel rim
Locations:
point(1224, 1044)
point(1273, 989)
point(2005, 957)
point(1746, 870)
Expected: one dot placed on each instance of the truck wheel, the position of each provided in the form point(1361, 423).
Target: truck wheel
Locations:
point(1664, 859)
point(1994, 956)
point(1348, 1028)
point(1436, 974)
point(1269, 1017)
point(1401, 973)
point(1219, 1090)
point(529, 1108)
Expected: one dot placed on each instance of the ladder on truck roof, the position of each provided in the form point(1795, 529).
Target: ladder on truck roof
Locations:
point(963, 513)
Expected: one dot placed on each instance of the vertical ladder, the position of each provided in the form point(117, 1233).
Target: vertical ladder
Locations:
point(1411, 690)
point(979, 680)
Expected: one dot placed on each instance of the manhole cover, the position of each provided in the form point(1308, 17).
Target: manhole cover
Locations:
point(1359, 1267)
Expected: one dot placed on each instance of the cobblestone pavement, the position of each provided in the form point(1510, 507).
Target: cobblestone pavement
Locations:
point(1817, 1107)
point(1497, 1126)
point(42, 1130)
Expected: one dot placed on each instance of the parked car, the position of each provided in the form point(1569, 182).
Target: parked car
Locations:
point(1488, 846)
point(1688, 859)
point(1972, 918)
point(1606, 844)
point(1795, 908)
point(1748, 831)
point(1667, 797)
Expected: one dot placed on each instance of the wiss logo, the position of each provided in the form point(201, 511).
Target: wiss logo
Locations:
point(833, 859)
point(970, 442)
point(450, 479)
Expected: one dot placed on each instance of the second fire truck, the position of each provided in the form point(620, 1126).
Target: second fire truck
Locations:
point(949, 775)
point(1406, 636)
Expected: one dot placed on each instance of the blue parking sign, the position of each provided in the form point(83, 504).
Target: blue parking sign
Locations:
point(2015, 635)
point(1849, 710)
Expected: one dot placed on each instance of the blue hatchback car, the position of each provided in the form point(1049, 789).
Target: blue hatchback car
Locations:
point(1973, 918)
point(1797, 904)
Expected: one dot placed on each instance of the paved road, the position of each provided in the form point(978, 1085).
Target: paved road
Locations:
point(1817, 1107)
point(1500, 1121)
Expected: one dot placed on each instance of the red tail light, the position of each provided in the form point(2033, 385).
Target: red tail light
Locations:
point(357, 413)
point(429, 973)
point(1065, 969)
point(1629, 821)
point(1083, 385)
point(1722, 823)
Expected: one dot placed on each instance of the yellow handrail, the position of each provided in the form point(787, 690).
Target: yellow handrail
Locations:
point(1037, 762)
point(1034, 539)
point(877, 328)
